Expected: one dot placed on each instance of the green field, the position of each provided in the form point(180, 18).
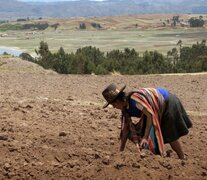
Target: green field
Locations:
point(107, 40)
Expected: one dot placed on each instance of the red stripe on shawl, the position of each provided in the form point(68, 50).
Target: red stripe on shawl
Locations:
point(155, 102)
point(157, 106)
point(142, 100)
point(158, 132)
point(154, 98)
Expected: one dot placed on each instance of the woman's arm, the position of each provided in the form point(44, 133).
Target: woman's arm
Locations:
point(128, 127)
point(124, 133)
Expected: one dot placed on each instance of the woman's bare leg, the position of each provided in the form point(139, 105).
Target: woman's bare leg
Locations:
point(176, 146)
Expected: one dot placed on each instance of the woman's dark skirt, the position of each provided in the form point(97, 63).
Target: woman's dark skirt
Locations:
point(175, 121)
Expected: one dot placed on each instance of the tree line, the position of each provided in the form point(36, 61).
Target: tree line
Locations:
point(88, 60)
point(29, 26)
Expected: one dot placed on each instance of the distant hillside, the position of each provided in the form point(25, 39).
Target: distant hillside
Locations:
point(13, 9)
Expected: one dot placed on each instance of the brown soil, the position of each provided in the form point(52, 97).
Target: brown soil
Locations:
point(53, 127)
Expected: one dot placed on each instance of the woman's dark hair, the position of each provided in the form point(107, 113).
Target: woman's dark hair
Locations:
point(121, 97)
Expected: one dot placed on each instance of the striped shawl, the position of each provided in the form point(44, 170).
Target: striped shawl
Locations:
point(153, 101)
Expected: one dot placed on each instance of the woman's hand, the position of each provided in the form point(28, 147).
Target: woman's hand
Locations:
point(142, 154)
point(138, 148)
point(143, 143)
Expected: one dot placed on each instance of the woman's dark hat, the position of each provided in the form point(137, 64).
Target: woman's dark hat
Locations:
point(111, 93)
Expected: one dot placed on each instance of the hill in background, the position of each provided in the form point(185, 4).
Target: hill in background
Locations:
point(11, 9)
